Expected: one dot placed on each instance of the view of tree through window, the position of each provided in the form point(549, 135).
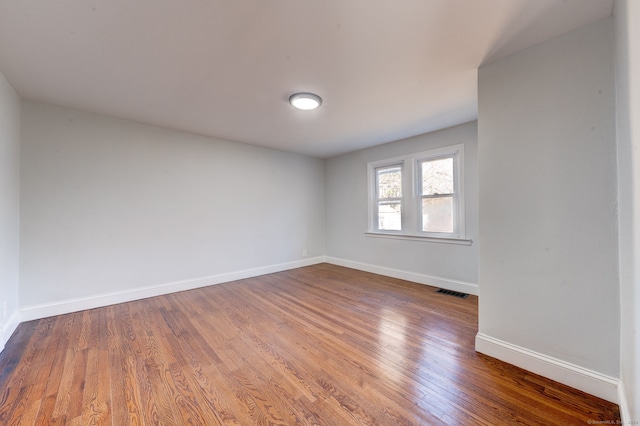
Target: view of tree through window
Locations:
point(389, 198)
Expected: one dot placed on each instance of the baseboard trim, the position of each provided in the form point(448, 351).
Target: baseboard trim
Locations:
point(588, 381)
point(8, 328)
point(623, 403)
point(29, 313)
point(448, 284)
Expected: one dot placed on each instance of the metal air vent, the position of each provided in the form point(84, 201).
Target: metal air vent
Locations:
point(452, 293)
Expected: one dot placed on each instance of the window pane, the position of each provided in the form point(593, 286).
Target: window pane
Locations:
point(390, 216)
point(437, 176)
point(437, 214)
point(389, 180)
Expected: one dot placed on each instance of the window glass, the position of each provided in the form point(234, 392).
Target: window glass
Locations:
point(389, 216)
point(437, 176)
point(389, 182)
point(437, 214)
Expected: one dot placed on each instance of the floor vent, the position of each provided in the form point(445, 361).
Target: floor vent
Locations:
point(452, 293)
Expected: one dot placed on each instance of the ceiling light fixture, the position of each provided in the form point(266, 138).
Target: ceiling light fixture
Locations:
point(305, 101)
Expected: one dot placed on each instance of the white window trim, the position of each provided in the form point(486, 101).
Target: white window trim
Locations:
point(375, 218)
point(420, 238)
point(411, 199)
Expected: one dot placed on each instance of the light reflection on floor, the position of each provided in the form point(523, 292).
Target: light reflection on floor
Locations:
point(395, 335)
point(392, 338)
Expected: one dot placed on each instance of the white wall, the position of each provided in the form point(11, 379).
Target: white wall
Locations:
point(446, 265)
point(9, 208)
point(110, 208)
point(627, 15)
point(548, 263)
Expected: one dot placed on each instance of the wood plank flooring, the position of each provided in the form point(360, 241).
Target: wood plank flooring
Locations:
point(321, 345)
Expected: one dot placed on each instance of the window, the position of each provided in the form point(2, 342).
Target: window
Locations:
point(418, 196)
point(389, 197)
point(437, 195)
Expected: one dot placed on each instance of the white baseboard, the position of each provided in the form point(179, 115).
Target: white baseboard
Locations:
point(588, 381)
point(623, 403)
point(73, 305)
point(8, 328)
point(33, 312)
point(446, 283)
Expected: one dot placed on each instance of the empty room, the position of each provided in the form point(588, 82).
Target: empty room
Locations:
point(320, 213)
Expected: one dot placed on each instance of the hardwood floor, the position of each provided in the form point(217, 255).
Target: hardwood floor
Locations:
point(321, 345)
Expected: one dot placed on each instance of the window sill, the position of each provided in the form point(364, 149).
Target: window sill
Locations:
point(444, 240)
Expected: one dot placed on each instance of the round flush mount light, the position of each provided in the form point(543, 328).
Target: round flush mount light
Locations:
point(305, 101)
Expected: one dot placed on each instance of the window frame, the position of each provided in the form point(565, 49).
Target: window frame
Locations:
point(378, 199)
point(411, 201)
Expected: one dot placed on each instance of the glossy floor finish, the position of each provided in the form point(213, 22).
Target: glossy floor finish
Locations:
point(321, 345)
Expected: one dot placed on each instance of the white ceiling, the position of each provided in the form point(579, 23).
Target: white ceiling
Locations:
point(225, 68)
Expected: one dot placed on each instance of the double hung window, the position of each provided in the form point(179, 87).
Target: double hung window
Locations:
point(419, 195)
point(388, 209)
point(437, 195)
